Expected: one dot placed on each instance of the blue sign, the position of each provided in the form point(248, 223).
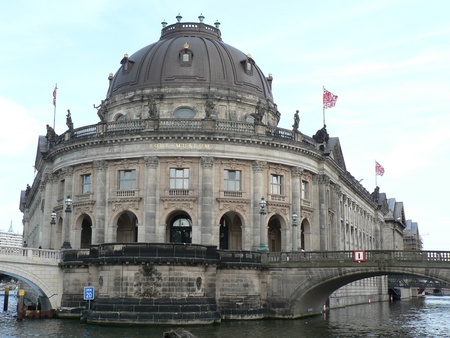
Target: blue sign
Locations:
point(88, 293)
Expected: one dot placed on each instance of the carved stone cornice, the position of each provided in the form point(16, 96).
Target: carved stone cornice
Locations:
point(100, 165)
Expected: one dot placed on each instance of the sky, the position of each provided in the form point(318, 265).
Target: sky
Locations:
point(386, 60)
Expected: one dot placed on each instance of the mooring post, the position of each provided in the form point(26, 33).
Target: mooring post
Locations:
point(6, 299)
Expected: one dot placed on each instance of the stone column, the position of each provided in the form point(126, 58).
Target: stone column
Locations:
point(101, 196)
point(258, 192)
point(46, 236)
point(209, 232)
point(68, 219)
point(151, 197)
point(336, 220)
point(323, 182)
point(296, 176)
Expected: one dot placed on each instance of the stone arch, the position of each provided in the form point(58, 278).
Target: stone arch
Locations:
point(83, 227)
point(305, 235)
point(277, 233)
point(313, 292)
point(127, 230)
point(179, 227)
point(230, 231)
point(49, 298)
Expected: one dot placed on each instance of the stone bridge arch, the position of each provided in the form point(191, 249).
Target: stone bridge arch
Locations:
point(301, 289)
point(39, 269)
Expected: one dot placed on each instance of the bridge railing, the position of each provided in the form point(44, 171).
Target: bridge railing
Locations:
point(29, 252)
point(371, 255)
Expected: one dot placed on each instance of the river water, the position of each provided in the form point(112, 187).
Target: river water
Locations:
point(419, 317)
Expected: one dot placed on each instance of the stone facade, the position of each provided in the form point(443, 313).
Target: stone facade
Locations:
point(187, 158)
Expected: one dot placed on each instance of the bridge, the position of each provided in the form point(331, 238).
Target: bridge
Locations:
point(38, 268)
point(297, 284)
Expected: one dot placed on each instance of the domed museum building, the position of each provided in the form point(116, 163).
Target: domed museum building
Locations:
point(185, 166)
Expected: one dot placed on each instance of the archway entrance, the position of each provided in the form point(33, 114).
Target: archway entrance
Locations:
point(274, 234)
point(181, 229)
point(230, 232)
point(127, 228)
point(304, 235)
point(86, 233)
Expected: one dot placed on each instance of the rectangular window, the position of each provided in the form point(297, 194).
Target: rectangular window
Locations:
point(85, 183)
point(61, 189)
point(305, 190)
point(276, 184)
point(127, 179)
point(179, 178)
point(232, 180)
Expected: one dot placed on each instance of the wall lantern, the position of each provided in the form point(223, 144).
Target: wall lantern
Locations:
point(262, 204)
point(68, 202)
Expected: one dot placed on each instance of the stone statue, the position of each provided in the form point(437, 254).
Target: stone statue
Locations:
point(259, 113)
point(152, 108)
point(209, 108)
point(51, 135)
point(102, 108)
point(28, 189)
point(69, 122)
point(296, 122)
point(322, 135)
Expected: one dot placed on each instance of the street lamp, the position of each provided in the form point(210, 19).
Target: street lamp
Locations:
point(294, 219)
point(262, 230)
point(68, 202)
point(68, 211)
point(262, 204)
point(294, 232)
point(53, 218)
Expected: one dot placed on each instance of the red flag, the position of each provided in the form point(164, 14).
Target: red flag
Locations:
point(329, 99)
point(379, 170)
point(54, 94)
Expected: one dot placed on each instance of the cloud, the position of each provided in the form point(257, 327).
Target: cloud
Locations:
point(19, 130)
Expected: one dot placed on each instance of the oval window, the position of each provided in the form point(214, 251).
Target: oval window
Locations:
point(184, 113)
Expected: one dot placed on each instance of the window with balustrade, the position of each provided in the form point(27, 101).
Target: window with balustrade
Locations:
point(232, 180)
point(179, 181)
point(305, 190)
point(86, 181)
point(127, 179)
point(276, 184)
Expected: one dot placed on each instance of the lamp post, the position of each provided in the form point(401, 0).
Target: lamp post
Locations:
point(68, 211)
point(52, 225)
point(263, 231)
point(294, 232)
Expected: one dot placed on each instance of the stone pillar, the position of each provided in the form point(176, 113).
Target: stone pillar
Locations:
point(101, 197)
point(45, 228)
point(296, 176)
point(151, 197)
point(323, 182)
point(258, 192)
point(209, 232)
point(336, 220)
point(68, 219)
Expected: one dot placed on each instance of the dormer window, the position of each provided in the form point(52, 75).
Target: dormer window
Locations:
point(186, 56)
point(248, 64)
point(126, 63)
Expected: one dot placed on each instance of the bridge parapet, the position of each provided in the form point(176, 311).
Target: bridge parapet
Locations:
point(29, 252)
point(348, 256)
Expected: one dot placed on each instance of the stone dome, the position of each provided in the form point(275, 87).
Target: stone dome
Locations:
point(190, 55)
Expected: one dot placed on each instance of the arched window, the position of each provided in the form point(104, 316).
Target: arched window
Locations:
point(184, 113)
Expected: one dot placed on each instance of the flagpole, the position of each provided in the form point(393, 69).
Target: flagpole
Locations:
point(54, 105)
point(323, 106)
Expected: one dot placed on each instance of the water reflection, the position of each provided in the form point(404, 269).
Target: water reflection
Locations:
point(423, 317)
